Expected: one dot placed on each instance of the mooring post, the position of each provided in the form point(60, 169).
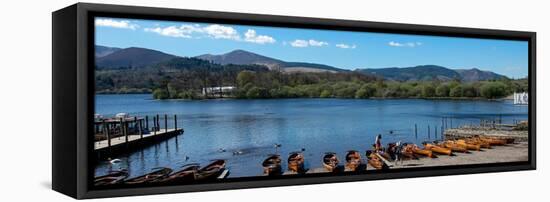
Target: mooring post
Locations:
point(442, 132)
point(435, 130)
point(165, 123)
point(451, 122)
point(415, 131)
point(429, 131)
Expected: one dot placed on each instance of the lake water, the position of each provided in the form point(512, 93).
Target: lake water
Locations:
point(253, 127)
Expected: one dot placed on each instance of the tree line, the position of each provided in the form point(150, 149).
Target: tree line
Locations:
point(252, 85)
point(184, 78)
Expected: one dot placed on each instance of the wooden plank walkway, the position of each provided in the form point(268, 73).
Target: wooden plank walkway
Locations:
point(122, 139)
point(134, 141)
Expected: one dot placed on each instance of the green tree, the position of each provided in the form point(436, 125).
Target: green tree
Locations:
point(253, 92)
point(245, 77)
point(469, 90)
point(442, 91)
point(493, 90)
point(160, 93)
point(428, 91)
point(456, 91)
point(326, 94)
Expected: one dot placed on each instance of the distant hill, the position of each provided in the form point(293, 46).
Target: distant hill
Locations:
point(478, 75)
point(430, 72)
point(197, 64)
point(242, 57)
point(101, 51)
point(132, 57)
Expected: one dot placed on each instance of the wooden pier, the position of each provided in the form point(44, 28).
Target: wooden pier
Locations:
point(123, 134)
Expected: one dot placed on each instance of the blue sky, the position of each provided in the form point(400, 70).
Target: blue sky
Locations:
point(342, 49)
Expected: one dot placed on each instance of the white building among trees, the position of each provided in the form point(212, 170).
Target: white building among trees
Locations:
point(521, 98)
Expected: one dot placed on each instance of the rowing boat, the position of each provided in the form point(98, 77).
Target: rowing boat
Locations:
point(185, 174)
point(114, 177)
point(330, 161)
point(157, 174)
point(479, 142)
point(375, 161)
point(296, 162)
point(437, 149)
point(454, 147)
point(353, 160)
point(412, 148)
point(210, 171)
point(272, 165)
point(475, 147)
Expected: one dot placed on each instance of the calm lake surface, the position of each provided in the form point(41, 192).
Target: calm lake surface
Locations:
point(253, 127)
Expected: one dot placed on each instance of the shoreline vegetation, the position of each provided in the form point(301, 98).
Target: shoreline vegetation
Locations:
point(275, 85)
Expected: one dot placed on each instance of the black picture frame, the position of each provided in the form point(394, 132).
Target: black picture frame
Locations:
point(73, 95)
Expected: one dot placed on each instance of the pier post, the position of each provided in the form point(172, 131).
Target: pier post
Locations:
point(451, 122)
point(175, 122)
point(120, 132)
point(123, 127)
point(165, 123)
point(441, 133)
point(154, 125)
point(141, 128)
point(147, 122)
point(136, 124)
point(158, 123)
point(107, 135)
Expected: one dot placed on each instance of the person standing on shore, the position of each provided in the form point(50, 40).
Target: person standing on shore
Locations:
point(378, 143)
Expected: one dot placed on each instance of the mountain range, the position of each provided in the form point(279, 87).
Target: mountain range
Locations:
point(242, 57)
point(110, 57)
point(430, 72)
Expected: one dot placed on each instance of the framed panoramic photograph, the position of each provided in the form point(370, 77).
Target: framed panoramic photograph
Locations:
point(152, 100)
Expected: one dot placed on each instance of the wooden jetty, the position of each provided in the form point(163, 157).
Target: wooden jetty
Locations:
point(122, 133)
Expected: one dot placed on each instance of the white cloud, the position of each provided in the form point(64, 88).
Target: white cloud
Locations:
point(407, 44)
point(213, 31)
point(222, 32)
point(300, 43)
point(251, 36)
point(317, 43)
point(122, 24)
point(171, 31)
point(346, 46)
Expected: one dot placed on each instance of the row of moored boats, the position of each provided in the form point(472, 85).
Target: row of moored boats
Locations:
point(272, 165)
point(379, 159)
point(162, 175)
